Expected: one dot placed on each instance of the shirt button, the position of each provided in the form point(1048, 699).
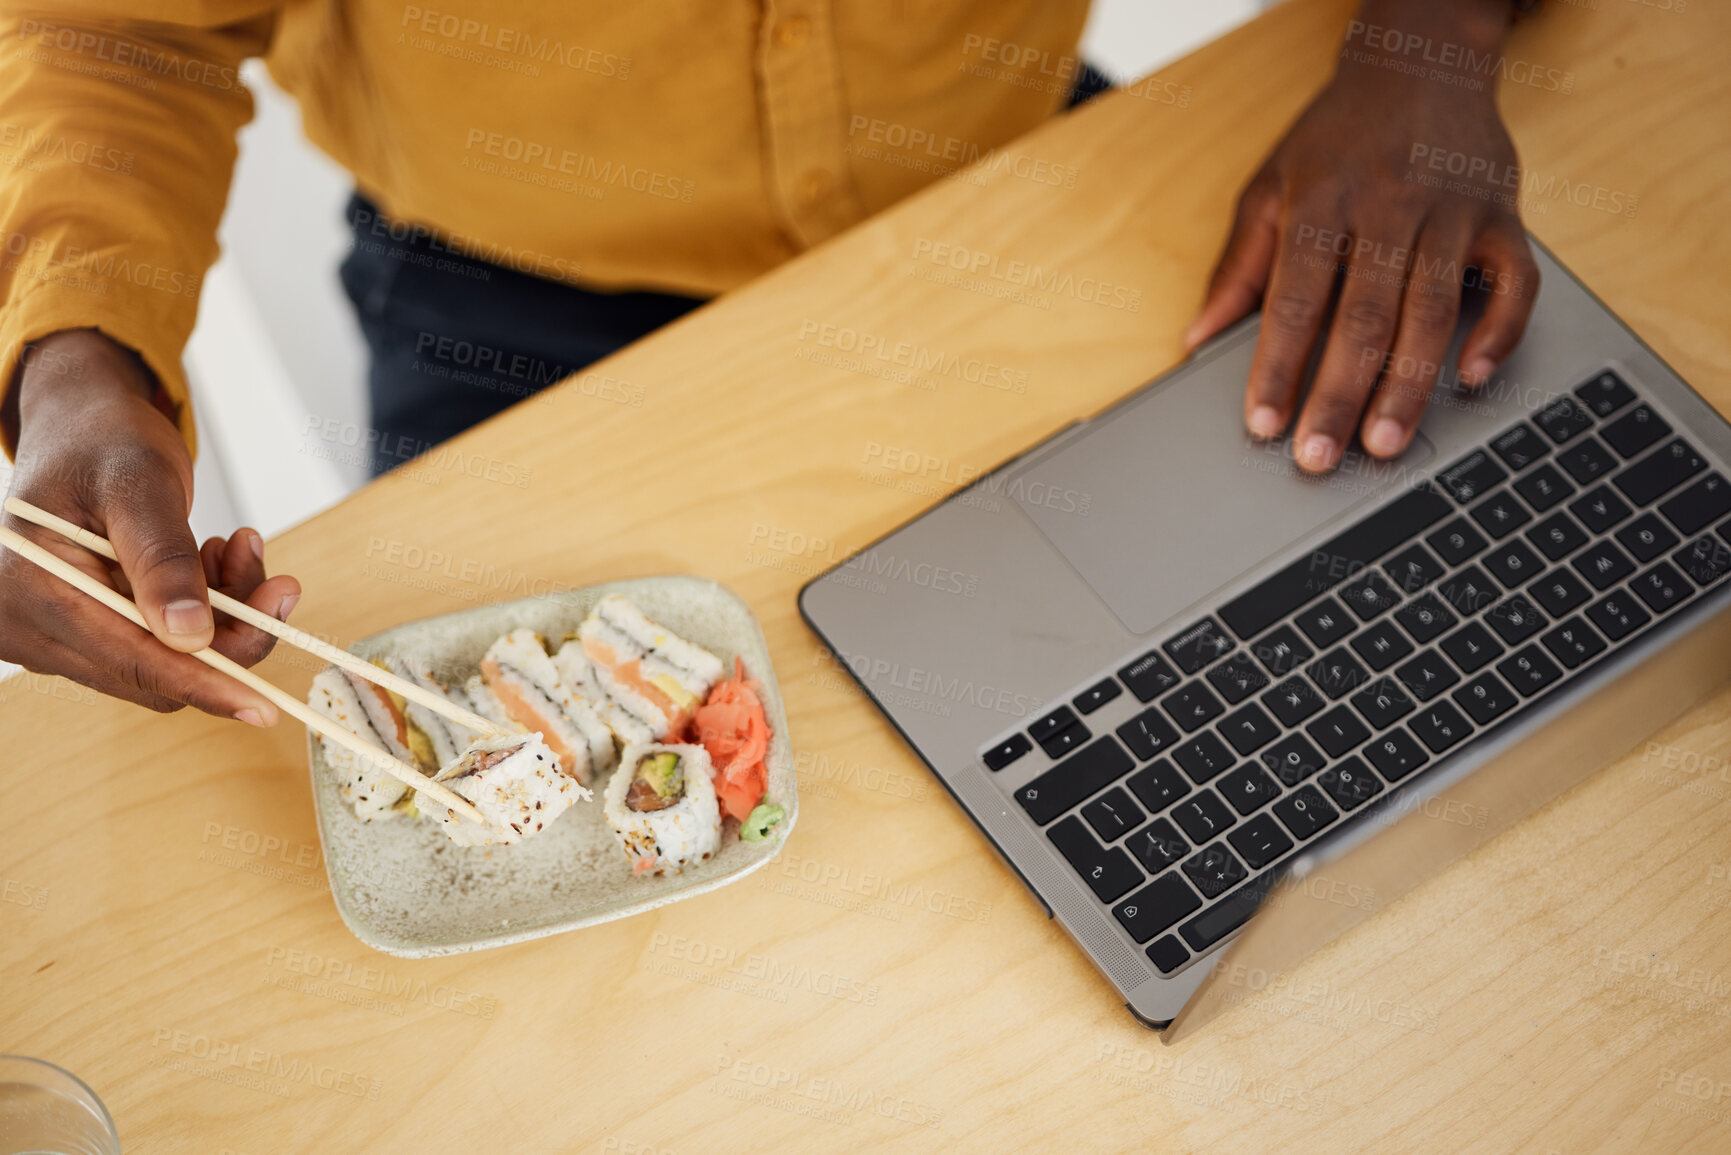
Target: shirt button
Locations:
point(793, 31)
point(813, 185)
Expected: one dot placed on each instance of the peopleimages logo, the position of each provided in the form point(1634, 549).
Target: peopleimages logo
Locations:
point(979, 263)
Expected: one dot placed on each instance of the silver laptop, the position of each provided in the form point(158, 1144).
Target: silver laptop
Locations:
point(1200, 701)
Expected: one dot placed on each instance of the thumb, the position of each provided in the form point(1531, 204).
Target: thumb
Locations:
point(145, 518)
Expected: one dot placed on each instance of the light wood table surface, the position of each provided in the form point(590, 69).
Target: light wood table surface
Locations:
point(886, 984)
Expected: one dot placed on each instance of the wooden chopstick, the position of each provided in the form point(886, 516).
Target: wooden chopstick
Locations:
point(283, 701)
point(341, 658)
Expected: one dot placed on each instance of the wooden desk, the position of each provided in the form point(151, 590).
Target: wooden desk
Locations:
point(887, 985)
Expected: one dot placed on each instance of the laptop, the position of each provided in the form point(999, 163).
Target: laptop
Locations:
point(1198, 700)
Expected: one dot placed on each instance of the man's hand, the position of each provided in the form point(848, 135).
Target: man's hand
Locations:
point(1350, 187)
point(95, 450)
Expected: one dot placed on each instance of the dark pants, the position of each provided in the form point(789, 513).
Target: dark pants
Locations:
point(454, 340)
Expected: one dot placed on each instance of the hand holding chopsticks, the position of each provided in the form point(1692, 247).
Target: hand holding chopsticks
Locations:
point(287, 703)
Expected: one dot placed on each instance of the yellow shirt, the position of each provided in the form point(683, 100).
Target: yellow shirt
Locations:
point(681, 145)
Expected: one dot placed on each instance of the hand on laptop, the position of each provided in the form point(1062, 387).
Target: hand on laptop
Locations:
point(1402, 174)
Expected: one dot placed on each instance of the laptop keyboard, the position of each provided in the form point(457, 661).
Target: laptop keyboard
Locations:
point(1527, 562)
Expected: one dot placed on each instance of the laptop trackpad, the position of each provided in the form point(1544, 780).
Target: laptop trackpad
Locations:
point(1165, 499)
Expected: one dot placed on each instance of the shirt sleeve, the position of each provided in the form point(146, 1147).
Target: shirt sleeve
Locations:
point(117, 145)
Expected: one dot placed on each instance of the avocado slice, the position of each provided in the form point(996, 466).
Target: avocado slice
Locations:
point(663, 774)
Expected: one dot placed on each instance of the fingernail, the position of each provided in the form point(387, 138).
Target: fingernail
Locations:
point(1319, 452)
point(250, 716)
point(257, 544)
point(1265, 421)
point(1193, 335)
point(187, 616)
point(1477, 370)
point(286, 606)
point(1385, 436)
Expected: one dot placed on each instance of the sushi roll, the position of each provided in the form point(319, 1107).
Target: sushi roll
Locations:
point(444, 740)
point(389, 721)
point(516, 784)
point(655, 676)
point(371, 790)
point(578, 673)
point(482, 702)
point(521, 677)
point(662, 806)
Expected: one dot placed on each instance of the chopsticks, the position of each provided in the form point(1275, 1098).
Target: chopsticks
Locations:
point(340, 658)
point(285, 702)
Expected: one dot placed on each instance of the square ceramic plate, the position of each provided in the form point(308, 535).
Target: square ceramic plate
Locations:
point(405, 889)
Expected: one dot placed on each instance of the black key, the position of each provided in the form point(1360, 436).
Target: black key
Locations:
point(1412, 569)
point(1661, 587)
point(1157, 845)
point(1402, 519)
point(1203, 816)
point(1192, 706)
point(1515, 619)
point(1050, 732)
point(1514, 564)
point(1305, 811)
point(1472, 475)
point(1293, 701)
point(1065, 740)
point(1237, 677)
point(1501, 514)
point(1520, 447)
point(1543, 487)
point(1292, 759)
point(1574, 642)
point(1203, 757)
point(1471, 646)
point(1350, 783)
point(1248, 787)
point(1370, 595)
point(1470, 590)
point(1156, 906)
point(1383, 702)
point(1007, 751)
point(1226, 916)
point(1337, 674)
point(1652, 477)
point(1486, 698)
point(1457, 541)
point(1635, 430)
point(1700, 505)
point(1603, 564)
point(1396, 754)
point(1528, 670)
point(1281, 651)
point(1646, 537)
point(1109, 873)
point(1605, 394)
point(1159, 786)
point(1112, 814)
point(1198, 645)
point(1557, 535)
point(1587, 460)
point(1338, 731)
point(1425, 617)
point(1248, 728)
point(1439, 726)
point(1325, 623)
point(1215, 870)
point(1564, 418)
point(1618, 616)
point(1599, 508)
point(1086, 772)
point(1096, 696)
point(1559, 592)
point(1149, 676)
point(1259, 841)
point(1148, 734)
point(1706, 559)
point(1427, 675)
point(1381, 645)
point(1168, 954)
